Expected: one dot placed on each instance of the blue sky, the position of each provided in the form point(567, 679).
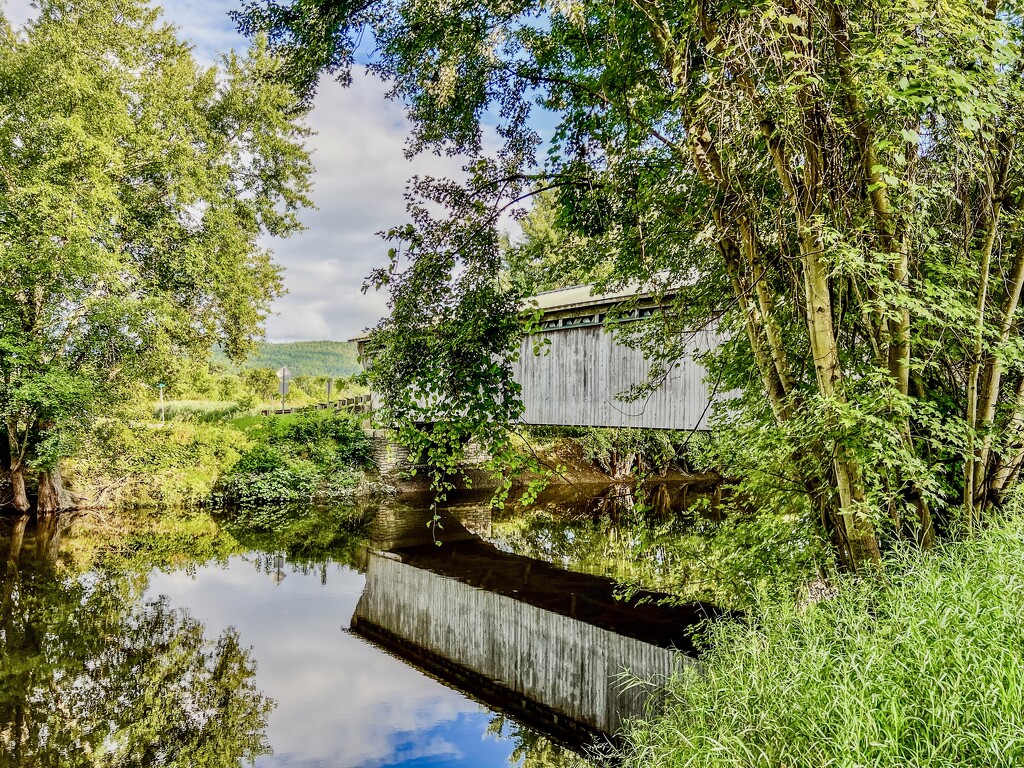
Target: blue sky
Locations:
point(359, 182)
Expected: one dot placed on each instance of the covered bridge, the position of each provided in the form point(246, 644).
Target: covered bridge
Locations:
point(583, 366)
point(575, 381)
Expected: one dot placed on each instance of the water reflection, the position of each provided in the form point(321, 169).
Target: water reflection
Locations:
point(340, 701)
point(171, 650)
point(94, 675)
point(667, 537)
point(206, 641)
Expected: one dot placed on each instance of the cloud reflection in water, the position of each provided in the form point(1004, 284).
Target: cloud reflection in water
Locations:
point(340, 701)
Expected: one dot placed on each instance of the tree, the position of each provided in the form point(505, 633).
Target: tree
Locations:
point(548, 256)
point(262, 382)
point(135, 188)
point(840, 183)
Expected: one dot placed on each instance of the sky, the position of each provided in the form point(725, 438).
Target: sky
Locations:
point(359, 182)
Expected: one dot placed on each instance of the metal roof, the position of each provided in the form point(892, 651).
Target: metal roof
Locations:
point(579, 296)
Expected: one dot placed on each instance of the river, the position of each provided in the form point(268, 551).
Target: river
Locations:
point(425, 637)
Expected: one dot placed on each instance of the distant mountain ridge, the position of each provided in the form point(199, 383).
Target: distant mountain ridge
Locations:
point(303, 358)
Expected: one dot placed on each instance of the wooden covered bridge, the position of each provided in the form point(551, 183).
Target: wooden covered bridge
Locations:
point(546, 645)
point(583, 367)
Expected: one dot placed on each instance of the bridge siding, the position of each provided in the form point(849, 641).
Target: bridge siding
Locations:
point(575, 382)
point(567, 665)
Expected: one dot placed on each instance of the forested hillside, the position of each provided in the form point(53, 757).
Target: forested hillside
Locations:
point(304, 358)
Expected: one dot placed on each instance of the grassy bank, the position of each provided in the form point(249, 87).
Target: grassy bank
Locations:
point(221, 457)
point(921, 668)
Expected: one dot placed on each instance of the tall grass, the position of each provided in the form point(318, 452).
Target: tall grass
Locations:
point(924, 667)
point(200, 411)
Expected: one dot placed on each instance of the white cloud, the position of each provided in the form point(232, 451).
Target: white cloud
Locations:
point(340, 701)
point(361, 173)
point(18, 11)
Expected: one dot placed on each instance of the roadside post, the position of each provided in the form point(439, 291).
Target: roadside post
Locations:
point(161, 386)
point(282, 374)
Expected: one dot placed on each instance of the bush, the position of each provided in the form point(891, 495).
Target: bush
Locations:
point(311, 456)
point(343, 432)
point(920, 667)
point(628, 451)
point(140, 465)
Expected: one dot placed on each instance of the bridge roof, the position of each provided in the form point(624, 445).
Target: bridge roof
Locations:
point(577, 297)
point(582, 296)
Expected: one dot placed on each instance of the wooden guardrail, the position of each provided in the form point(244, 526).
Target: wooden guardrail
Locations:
point(357, 404)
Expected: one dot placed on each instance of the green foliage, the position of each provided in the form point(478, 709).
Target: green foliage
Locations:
point(262, 382)
point(838, 188)
point(138, 186)
point(549, 255)
point(532, 750)
point(311, 534)
point(919, 667)
point(137, 464)
point(342, 431)
point(138, 540)
point(621, 452)
point(303, 358)
point(266, 475)
point(629, 452)
point(670, 539)
point(202, 411)
point(312, 455)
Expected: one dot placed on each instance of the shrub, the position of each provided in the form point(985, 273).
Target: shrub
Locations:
point(139, 465)
point(627, 451)
point(342, 431)
point(310, 456)
point(919, 667)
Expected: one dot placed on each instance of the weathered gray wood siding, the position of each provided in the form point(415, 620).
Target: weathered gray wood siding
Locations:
point(567, 665)
point(576, 380)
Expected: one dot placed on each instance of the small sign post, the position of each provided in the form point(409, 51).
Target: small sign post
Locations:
point(282, 374)
point(161, 386)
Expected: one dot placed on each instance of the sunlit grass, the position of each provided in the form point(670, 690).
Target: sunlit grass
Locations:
point(922, 668)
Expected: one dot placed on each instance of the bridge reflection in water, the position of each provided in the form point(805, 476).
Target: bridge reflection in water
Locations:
point(547, 646)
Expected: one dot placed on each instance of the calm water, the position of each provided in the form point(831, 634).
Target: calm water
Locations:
point(376, 650)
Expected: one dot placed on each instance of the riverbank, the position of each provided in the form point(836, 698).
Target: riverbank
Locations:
point(206, 456)
point(221, 459)
point(919, 666)
point(587, 458)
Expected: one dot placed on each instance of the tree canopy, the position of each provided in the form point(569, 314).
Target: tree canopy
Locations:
point(548, 256)
point(839, 182)
point(303, 358)
point(135, 186)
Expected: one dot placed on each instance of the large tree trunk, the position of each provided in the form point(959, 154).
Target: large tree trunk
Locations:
point(53, 497)
point(19, 495)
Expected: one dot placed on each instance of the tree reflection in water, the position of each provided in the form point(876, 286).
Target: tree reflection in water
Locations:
point(533, 750)
point(92, 676)
point(667, 537)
